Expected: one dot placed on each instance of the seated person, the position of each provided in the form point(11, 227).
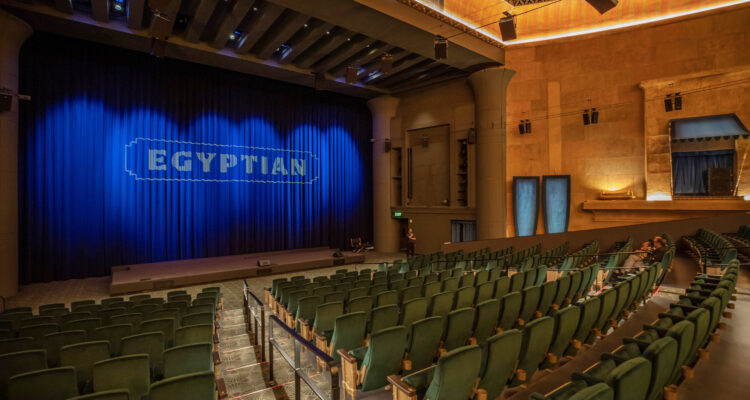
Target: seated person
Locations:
point(635, 260)
point(660, 248)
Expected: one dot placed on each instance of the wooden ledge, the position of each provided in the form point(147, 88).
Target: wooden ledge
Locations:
point(671, 205)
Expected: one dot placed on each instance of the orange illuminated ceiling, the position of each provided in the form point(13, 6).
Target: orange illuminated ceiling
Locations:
point(566, 17)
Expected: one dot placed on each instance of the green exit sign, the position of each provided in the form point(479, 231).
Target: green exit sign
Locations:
point(397, 214)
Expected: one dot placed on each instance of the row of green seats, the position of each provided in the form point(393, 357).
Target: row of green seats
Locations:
point(649, 365)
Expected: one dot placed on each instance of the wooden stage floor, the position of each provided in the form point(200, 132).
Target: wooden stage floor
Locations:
point(168, 274)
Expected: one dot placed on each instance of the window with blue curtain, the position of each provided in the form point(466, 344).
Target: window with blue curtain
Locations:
point(525, 204)
point(125, 159)
point(690, 169)
point(556, 203)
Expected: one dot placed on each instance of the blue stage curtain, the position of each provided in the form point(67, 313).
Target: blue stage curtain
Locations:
point(690, 169)
point(90, 199)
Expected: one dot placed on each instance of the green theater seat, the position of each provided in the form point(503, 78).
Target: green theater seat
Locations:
point(17, 363)
point(187, 359)
point(195, 386)
point(47, 384)
point(82, 357)
point(126, 372)
point(498, 361)
point(424, 341)
point(537, 337)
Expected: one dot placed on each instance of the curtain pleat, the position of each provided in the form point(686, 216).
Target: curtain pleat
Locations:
point(81, 212)
point(690, 169)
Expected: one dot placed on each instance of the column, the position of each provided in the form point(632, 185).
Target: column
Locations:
point(385, 228)
point(490, 87)
point(13, 32)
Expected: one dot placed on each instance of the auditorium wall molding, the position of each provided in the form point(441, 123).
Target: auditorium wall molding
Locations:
point(13, 33)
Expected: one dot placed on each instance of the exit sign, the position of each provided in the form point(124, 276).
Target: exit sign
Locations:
point(397, 214)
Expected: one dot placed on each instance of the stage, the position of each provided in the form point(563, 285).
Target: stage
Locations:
point(168, 274)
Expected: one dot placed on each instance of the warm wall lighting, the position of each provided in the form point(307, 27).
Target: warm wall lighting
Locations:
point(659, 197)
point(746, 197)
point(622, 194)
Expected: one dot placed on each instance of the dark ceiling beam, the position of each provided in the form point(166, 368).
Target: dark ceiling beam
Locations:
point(198, 23)
point(100, 10)
point(363, 57)
point(374, 23)
point(135, 14)
point(170, 14)
point(352, 47)
point(444, 77)
point(397, 67)
point(268, 13)
point(65, 6)
point(417, 74)
point(280, 33)
point(410, 72)
point(231, 22)
point(375, 64)
point(305, 38)
point(330, 42)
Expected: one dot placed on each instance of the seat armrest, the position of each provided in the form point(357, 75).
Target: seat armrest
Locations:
point(401, 390)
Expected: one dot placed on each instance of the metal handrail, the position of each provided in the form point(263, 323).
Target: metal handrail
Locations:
point(294, 361)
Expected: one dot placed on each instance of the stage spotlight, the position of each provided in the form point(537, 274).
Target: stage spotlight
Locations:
point(521, 127)
point(528, 126)
point(677, 101)
point(508, 28)
point(594, 116)
point(386, 63)
point(668, 103)
point(235, 35)
point(441, 48)
point(351, 74)
point(603, 5)
point(586, 117)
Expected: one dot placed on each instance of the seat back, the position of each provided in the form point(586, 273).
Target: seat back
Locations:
point(486, 319)
point(502, 287)
point(37, 332)
point(116, 394)
point(306, 307)
point(563, 286)
point(17, 363)
point(194, 386)
point(202, 333)
point(348, 333)
point(574, 291)
point(529, 302)
point(608, 298)
point(516, 281)
point(548, 291)
point(190, 358)
point(386, 298)
point(537, 337)
point(151, 343)
point(114, 334)
point(413, 310)
point(566, 322)
point(424, 341)
point(455, 374)
point(47, 384)
point(683, 332)
point(383, 357)
point(383, 317)
point(325, 317)
point(458, 328)
point(510, 307)
point(599, 391)
point(465, 297)
point(701, 318)
point(134, 319)
point(126, 372)
point(163, 325)
point(662, 353)
point(629, 379)
point(200, 319)
point(623, 292)
point(498, 361)
point(431, 289)
point(82, 357)
point(449, 284)
point(484, 291)
point(362, 303)
point(54, 341)
point(87, 325)
point(441, 304)
point(589, 313)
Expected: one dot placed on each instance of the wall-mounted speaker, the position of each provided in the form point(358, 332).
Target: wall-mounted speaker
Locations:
point(508, 28)
point(602, 5)
point(441, 48)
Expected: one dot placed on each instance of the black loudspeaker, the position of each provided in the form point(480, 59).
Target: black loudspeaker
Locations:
point(508, 28)
point(441, 48)
point(720, 181)
point(6, 102)
point(602, 5)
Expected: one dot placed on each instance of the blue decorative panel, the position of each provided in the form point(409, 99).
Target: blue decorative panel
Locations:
point(525, 204)
point(556, 203)
point(125, 158)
